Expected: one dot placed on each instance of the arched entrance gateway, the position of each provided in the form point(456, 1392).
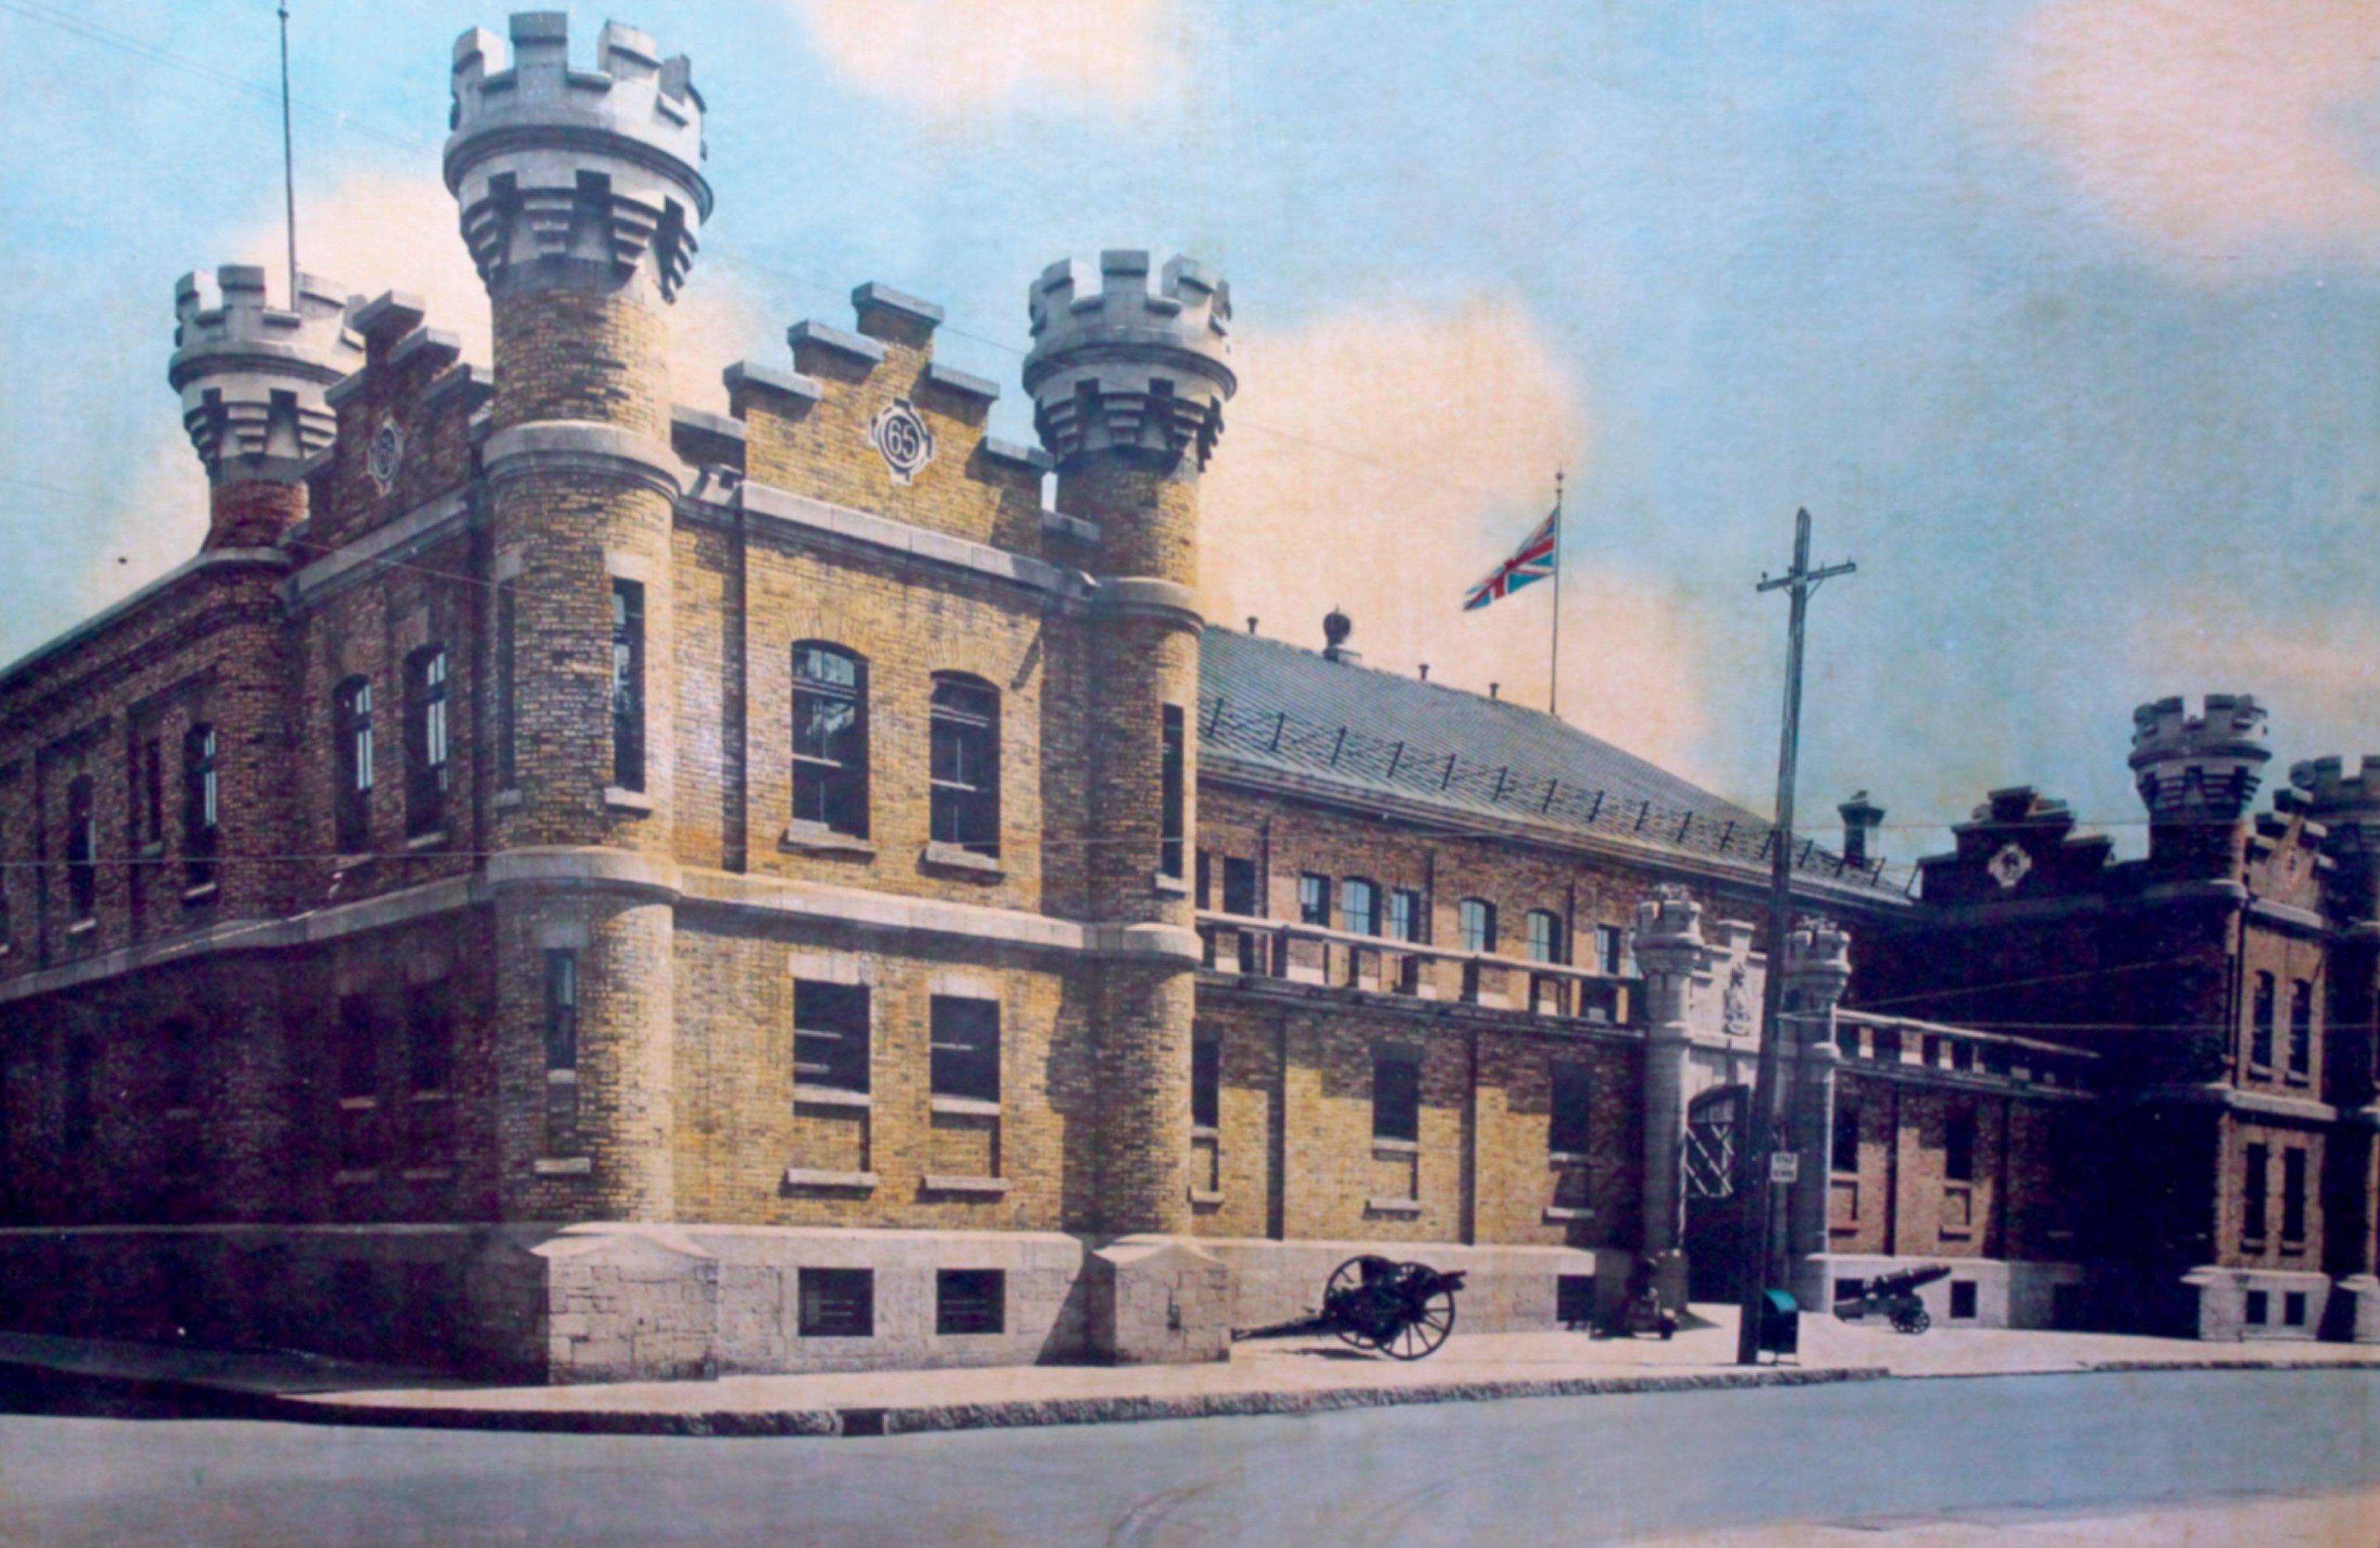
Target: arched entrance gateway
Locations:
point(1714, 1141)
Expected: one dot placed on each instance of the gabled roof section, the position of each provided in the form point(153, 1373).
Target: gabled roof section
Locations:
point(1266, 705)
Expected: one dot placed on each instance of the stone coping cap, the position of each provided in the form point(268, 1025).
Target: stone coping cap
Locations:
point(857, 346)
point(1017, 452)
point(793, 383)
point(876, 294)
point(391, 316)
point(951, 379)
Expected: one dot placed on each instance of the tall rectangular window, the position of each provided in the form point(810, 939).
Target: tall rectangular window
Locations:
point(507, 710)
point(830, 1035)
point(201, 811)
point(2301, 1029)
point(965, 1048)
point(1478, 917)
point(429, 1036)
point(425, 741)
point(149, 792)
point(82, 850)
point(1572, 1129)
point(1240, 886)
point(2252, 1193)
point(1314, 899)
point(1404, 914)
point(1611, 950)
point(1544, 935)
point(562, 1010)
point(1359, 907)
point(830, 738)
point(352, 727)
point(359, 1048)
point(2260, 1038)
point(1169, 793)
point(965, 765)
point(2293, 1194)
point(628, 684)
point(1959, 1145)
point(1206, 1082)
point(1844, 1149)
point(1396, 1096)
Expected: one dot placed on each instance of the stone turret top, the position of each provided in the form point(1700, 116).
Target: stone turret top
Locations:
point(596, 168)
point(1126, 366)
point(2334, 794)
point(251, 376)
point(2206, 764)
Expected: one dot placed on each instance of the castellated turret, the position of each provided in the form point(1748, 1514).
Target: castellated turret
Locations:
point(596, 170)
point(2203, 767)
point(1127, 368)
point(251, 377)
point(2347, 803)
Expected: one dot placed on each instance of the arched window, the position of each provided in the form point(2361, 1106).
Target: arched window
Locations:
point(1478, 920)
point(82, 848)
point(351, 732)
point(425, 741)
point(1544, 935)
point(966, 764)
point(1359, 907)
point(202, 809)
point(830, 738)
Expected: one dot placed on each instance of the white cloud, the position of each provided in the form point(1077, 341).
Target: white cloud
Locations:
point(2223, 133)
point(1382, 457)
point(951, 58)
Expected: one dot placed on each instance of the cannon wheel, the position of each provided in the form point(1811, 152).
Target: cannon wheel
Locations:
point(1913, 1319)
point(1421, 1338)
point(1347, 1276)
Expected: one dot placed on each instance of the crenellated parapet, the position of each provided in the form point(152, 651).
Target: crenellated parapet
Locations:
point(1127, 368)
point(2204, 766)
point(252, 375)
point(568, 177)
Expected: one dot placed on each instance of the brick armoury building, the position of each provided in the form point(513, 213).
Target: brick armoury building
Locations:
point(567, 886)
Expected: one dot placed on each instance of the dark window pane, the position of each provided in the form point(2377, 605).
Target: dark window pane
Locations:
point(830, 740)
point(1962, 1299)
point(2301, 1027)
point(965, 1048)
point(1545, 936)
point(1572, 1127)
point(1314, 899)
point(2253, 1193)
point(830, 1035)
point(2293, 1195)
point(964, 754)
point(82, 848)
point(1396, 1098)
point(2260, 1042)
point(1959, 1147)
point(1359, 907)
point(507, 711)
point(1170, 803)
point(1846, 1145)
point(837, 1303)
point(628, 685)
point(561, 1010)
point(1478, 919)
point(970, 1301)
point(1239, 888)
point(1206, 1083)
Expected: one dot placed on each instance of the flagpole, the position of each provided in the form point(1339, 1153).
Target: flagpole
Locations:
point(1553, 705)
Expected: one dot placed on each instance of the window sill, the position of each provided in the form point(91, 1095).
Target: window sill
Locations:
point(2260, 1072)
point(2293, 1249)
point(989, 1187)
point(350, 861)
point(562, 1077)
point(562, 1166)
point(969, 1106)
point(428, 1174)
point(1956, 1233)
point(802, 1176)
point(1562, 1215)
point(200, 893)
point(1205, 1131)
point(507, 799)
point(817, 839)
point(1392, 1206)
point(619, 799)
point(1207, 1195)
point(435, 839)
point(356, 1177)
point(81, 927)
point(2298, 1078)
point(153, 850)
point(830, 1096)
point(358, 1104)
point(1175, 886)
point(1568, 1158)
point(957, 858)
point(428, 1096)
point(1396, 1147)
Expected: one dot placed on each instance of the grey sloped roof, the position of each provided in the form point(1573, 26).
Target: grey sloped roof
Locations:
point(1272, 705)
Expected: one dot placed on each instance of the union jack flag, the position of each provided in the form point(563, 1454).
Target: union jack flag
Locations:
point(1533, 561)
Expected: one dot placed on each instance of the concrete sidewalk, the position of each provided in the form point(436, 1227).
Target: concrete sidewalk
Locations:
point(1291, 1376)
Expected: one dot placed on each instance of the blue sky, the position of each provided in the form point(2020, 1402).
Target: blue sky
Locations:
point(2059, 314)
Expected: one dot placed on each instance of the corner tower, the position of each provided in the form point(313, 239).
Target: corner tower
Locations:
point(581, 195)
point(2198, 775)
point(1129, 381)
point(251, 377)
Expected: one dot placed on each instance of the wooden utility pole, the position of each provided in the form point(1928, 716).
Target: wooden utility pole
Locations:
point(1758, 1193)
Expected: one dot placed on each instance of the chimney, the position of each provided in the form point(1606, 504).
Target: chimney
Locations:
point(1495, 690)
point(1425, 671)
point(1252, 623)
point(1862, 818)
point(1336, 626)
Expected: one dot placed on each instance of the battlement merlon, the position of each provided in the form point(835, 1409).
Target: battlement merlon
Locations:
point(576, 176)
point(2209, 762)
point(1128, 368)
point(2333, 794)
point(252, 376)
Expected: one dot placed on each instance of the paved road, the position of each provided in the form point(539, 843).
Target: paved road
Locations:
point(1532, 1472)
